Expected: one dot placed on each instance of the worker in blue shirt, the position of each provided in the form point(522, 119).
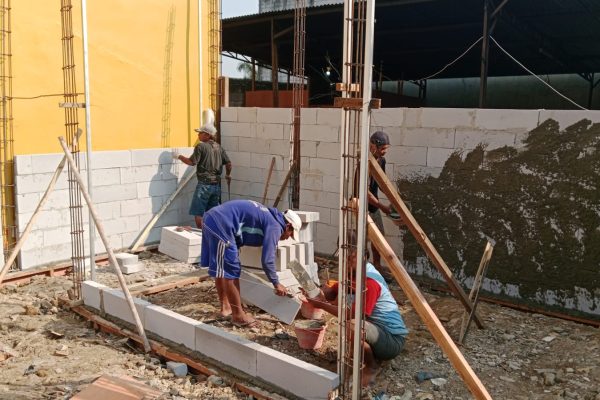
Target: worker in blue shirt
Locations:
point(239, 223)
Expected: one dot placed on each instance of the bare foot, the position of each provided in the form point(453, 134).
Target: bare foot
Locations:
point(368, 376)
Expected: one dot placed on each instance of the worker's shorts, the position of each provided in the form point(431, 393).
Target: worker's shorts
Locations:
point(385, 345)
point(219, 254)
point(205, 197)
point(378, 220)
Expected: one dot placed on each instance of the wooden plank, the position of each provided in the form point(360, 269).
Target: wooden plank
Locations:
point(143, 290)
point(117, 388)
point(355, 103)
point(394, 197)
point(427, 315)
point(347, 87)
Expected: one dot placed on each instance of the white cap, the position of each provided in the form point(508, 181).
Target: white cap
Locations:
point(207, 128)
point(294, 220)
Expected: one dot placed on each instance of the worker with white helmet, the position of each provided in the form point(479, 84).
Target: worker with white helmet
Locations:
point(209, 158)
point(240, 223)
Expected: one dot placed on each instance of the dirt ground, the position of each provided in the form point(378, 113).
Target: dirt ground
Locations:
point(50, 353)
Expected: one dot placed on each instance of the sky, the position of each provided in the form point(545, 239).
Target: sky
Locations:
point(235, 8)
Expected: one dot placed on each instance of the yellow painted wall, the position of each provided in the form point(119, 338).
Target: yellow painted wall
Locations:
point(127, 40)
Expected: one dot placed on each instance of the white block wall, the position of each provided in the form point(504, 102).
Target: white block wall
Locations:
point(129, 187)
point(273, 367)
point(422, 139)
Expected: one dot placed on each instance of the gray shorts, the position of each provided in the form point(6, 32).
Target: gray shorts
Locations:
point(378, 220)
point(385, 346)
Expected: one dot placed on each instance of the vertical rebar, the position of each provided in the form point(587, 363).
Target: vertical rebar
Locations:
point(297, 96)
point(166, 99)
point(7, 183)
point(71, 126)
point(214, 58)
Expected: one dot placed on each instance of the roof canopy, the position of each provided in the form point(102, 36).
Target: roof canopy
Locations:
point(416, 38)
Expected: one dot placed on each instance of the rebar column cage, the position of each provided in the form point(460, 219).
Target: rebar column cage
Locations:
point(357, 83)
point(71, 127)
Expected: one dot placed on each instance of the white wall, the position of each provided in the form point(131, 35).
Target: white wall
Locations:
point(129, 187)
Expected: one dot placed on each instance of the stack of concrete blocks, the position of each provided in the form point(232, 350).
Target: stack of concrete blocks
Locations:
point(129, 263)
point(182, 245)
point(248, 358)
point(130, 186)
point(288, 250)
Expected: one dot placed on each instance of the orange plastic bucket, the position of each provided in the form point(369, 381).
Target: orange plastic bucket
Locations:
point(310, 334)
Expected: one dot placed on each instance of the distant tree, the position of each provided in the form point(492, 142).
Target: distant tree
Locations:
point(246, 69)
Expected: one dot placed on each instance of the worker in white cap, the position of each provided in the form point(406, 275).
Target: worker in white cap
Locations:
point(209, 158)
point(240, 223)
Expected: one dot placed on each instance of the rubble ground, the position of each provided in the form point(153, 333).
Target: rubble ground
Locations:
point(49, 353)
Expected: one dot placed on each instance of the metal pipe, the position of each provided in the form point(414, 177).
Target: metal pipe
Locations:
point(362, 199)
point(485, 46)
point(88, 133)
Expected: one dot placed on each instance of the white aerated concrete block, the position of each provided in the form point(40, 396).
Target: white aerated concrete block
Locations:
point(252, 257)
point(305, 380)
point(259, 292)
point(183, 246)
point(132, 268)
point(307, 232)
point(91, 292)
point(116, 305)
point(274, 115)
point(227, 348)
point(171, 325)
point(308, 216)
point(126, 259)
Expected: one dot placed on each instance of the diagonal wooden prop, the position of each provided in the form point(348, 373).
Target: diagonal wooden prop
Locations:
point(427, 315)
point(111, 254)
point(392, 194)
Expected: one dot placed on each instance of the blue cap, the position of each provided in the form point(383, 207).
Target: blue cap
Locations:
point(380, 138)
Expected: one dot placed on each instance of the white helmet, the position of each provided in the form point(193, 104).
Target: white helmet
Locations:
point(294, 219)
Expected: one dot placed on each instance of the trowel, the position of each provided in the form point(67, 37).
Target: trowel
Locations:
point(310, 287)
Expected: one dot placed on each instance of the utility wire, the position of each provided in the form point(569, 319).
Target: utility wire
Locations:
point(540, 79)
point(452, 62)
point(40, 96)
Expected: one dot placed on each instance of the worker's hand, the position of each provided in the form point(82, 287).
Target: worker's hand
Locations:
point(386, 209)
point(228, 179)
point(280, 290)
point(175, 155)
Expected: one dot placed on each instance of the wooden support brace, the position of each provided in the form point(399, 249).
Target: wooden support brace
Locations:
point(284, 185)
point(111, 254)
point(264, 198)
point(474, 295)
point(426, 313)
point(15, 251)
point(392, 194)
point(144, 234)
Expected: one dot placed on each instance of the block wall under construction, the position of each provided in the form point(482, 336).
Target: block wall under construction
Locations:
point(525, 178)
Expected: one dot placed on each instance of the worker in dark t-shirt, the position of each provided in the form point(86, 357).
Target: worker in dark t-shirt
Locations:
point(209, 158)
